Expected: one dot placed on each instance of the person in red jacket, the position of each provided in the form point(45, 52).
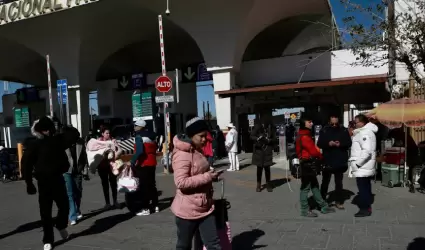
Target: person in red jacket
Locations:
point(208, 150)
point(144, 166)
point(309, 155)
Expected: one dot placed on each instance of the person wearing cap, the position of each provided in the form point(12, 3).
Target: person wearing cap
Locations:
point(193, 204)
point(232, 147)
point(144, 167)
point(46, 160)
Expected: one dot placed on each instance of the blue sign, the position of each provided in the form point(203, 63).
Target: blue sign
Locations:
point(138, 81)
point(62, 86)
point(203, 74)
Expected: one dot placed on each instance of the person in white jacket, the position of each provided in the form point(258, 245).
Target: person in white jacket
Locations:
point(232, 147)
point(363, 161)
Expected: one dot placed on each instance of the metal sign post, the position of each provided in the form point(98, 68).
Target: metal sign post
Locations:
point(164, 73)
point(177, 86)
point(49, 84)
point(60, 101)
point(68, 116)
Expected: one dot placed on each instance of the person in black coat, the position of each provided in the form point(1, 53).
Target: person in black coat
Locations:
point(264, 138)
point(335, 141)
point(45, 159)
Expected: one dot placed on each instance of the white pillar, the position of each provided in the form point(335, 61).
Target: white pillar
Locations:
point(79, 109)
point(224, 107)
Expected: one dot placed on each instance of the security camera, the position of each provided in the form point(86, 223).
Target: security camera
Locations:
point(167, 12)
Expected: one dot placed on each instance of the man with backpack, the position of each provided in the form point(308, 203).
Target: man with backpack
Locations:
point(334, 140)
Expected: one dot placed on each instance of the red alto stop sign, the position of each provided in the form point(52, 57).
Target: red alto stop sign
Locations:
point(163, 84)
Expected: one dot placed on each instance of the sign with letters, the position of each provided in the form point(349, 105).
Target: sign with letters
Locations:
point(23, 9)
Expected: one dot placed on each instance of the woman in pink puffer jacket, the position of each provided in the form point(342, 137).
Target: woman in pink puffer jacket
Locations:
point(193, 204)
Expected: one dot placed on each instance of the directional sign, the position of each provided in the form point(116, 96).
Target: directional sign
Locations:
point(124, 83)
point(163, 84)
point(138, 81)
point(22, 117)
point(62, 87)
point(189, 73)
point(203, 74)
point(142, 106)
point(164, 98)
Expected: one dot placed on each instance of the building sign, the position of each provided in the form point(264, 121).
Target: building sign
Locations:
point(23, 9)
point(22, 117)
point(142, 106)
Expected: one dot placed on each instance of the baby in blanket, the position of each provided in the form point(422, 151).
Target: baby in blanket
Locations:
point(98, 150)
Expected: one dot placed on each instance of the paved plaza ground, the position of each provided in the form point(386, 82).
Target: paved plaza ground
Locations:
point(258, 220)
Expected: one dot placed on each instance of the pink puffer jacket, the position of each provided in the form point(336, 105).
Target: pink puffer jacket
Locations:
point(194, 193)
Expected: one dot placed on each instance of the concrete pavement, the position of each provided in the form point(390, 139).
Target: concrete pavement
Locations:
point(258, 220)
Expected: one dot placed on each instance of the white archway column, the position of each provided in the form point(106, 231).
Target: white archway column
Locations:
point(79, 109)
point(224, 79)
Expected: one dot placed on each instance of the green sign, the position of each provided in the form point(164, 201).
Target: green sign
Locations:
point(142, 105)
point(22, 117)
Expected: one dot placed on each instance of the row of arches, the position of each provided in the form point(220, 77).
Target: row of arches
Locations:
point(110, 39)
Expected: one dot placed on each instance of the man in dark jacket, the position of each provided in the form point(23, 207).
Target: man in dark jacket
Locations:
point(46, 157)
point(334, 140)
point(264, 137)
point(77, 158)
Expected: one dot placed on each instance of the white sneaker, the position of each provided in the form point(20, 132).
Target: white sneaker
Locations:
point(156, 209)
point(73, 223)
point(230, 169)
point(144, 212)
point(64, 234)
point(47, 247)
point(79, 217)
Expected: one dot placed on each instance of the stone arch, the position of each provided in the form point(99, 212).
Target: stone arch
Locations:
point(262, 16)
point(275, 39)
point(105, 40)
point(31, 68)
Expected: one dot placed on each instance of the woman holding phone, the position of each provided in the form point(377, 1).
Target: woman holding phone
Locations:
point(193, 204)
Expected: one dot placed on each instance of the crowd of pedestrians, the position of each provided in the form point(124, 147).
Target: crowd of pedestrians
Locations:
point(59, 160)
point(331, 157)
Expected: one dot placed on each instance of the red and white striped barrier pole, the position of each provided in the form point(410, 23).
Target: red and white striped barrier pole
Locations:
point(49, 84)
point(166, 114)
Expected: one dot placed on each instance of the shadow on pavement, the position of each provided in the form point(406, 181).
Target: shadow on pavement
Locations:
point(99, 226)
point(344, 196)
point(92, 214)
point(165, 203)
point(246, 240)
point(417, 244)
point(279, 182)
point(22, 229)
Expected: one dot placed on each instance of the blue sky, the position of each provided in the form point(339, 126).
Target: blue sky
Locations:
point(206, 94)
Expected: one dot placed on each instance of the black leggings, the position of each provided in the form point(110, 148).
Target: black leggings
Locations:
point(108, 179)
point(260, 173)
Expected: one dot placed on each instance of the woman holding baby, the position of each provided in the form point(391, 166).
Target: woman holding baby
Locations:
point(105, 172)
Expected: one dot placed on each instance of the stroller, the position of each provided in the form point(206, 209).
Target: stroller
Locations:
point(223, 226)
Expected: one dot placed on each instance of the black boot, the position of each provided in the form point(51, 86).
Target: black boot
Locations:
point(411, 188)
point(258, 189)
point(363, 213)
